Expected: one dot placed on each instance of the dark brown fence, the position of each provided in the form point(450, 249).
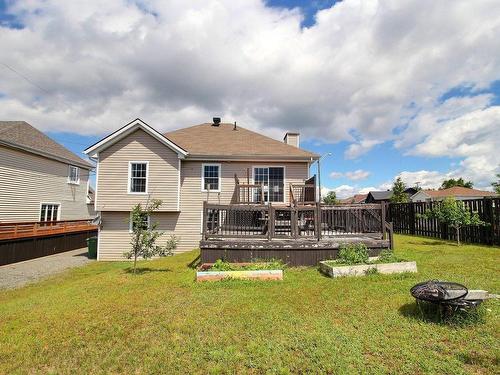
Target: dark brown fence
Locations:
point(280, 222)
point(406, 220)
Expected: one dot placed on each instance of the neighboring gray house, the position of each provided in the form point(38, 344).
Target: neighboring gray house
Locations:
point(40, 179)
point(457, 192)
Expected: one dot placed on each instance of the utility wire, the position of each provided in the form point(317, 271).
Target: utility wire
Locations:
point(30, 81)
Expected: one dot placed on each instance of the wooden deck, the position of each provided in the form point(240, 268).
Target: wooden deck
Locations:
point(28, 240)
point(298, 235)
point(13, 231)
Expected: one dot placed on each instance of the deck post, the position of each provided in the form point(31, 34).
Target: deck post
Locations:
point(270, 222)
point(382, 218)
point(317, 220)
point(204, 221)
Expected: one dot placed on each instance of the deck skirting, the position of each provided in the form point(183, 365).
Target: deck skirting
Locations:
point(294, 252)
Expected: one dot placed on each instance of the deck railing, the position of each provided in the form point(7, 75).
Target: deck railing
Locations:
point(292, 222)
point(26, 229)
point(302, 194)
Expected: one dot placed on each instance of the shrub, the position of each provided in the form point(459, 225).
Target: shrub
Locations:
point(353, 253)
point(272, 264)
point(387, 256)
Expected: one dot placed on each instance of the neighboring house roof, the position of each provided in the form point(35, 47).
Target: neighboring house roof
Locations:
point(23, 136)
point(381, 195)
point(129, 129)
point(208, 141)
point(458, 191)
point(357, 198)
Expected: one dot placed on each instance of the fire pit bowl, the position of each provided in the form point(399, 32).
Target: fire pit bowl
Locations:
point(438, 292)
point(449, 297)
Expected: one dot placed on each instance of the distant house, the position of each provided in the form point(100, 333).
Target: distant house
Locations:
point(356, 199)
point(457, 192)
point(385, 196)
point(40, 179)
point(378, 196)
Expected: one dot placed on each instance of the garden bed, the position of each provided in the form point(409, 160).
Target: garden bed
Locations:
point(220, 270)
point(333, 269)
point(353, 260)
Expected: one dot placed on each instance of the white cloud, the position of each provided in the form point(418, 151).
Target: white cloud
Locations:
point(358, 174)
point(336, 175)
point(360, 74)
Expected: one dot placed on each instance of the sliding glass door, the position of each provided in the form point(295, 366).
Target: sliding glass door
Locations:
point(273, 179)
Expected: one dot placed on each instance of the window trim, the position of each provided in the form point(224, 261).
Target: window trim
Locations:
point(58, 218)
point(130, 177)
point(203, 165)
point(285, 195)
point(130, 230)
point(77, 182)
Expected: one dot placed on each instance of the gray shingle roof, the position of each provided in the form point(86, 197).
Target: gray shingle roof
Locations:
point(22, 135)
point(381, 195)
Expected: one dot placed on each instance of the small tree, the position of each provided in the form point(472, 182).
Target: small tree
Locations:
point(144, 234)
point(330, 198)
point(496, 185)
point(398, 191)
point(458, 182)
point(455, 214)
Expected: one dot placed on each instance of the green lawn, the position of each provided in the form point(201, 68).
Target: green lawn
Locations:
point(100, 318)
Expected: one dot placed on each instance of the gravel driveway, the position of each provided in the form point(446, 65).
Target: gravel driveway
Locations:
point(22, 273)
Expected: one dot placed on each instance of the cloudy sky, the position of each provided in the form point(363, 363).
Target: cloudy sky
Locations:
point(408, 88)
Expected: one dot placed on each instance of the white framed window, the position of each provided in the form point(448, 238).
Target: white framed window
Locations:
point(73, 175)
point(138, 177)
point(50, 211)
point(210, 177)
point(273, 180)
point(146, 222)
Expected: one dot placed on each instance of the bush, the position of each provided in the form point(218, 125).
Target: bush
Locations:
point(387, 256)
point(353, 253)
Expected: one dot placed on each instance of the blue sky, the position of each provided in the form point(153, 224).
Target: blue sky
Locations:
point(375, 84)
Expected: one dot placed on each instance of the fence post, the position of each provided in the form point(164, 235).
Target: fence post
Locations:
point(382, 218)
point(412, 218)
point(204, 221)
point(489, 218)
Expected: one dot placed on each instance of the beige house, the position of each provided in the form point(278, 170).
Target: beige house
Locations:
point(40, 179)
point(184, 168)
point(457, 192)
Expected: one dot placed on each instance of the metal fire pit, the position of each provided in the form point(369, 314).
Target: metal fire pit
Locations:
point(447, 295)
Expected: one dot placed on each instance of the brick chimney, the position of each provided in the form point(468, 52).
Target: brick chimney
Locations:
point(292, 139)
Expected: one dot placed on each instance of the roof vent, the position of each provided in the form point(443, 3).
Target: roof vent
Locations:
point(216, 121)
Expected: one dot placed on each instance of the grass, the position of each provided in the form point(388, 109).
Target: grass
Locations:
point(102, 319)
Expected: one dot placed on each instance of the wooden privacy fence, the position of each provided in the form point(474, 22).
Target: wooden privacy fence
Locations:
point(280, 222)
point(406, 220)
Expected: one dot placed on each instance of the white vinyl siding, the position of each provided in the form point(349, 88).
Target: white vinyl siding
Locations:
point(113, 174)
point(28, 180)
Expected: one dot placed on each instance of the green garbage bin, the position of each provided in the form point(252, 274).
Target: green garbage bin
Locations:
point(92, 246)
